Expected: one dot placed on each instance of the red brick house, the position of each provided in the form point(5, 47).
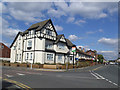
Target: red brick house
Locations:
point(4, 51)
point(92, 53)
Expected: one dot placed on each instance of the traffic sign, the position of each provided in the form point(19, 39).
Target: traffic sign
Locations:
point(73, 49)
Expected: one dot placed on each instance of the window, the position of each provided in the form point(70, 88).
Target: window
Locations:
point(20, 58)
point(50, 57)
point(70, 57)
point(48, 32)
point(90, 53)
point(29, 43)
point(60, 46)
point(27, 56)
point(59, 57)
point(49, 46)
point(19, 37)
point(29, 33)
point(2, 46)
point(14, 47)
point(19, 46)
point(31, 56)
point(17, 57)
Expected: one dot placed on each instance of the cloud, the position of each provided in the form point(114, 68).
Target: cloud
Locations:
point(8, 32)
point(92, 32)
point(29, 11)
point(91, 10)
point(73, 37)
point(79, 22)
point(26, 11)
point(108, 41)
point(58, 28)
point(85, 47)
point(56, 13)
point(109, 55)
point(70, 19)
point(100, 30)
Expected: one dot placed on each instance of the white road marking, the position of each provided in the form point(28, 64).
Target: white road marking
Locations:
point(20, 74)
point(115, 84)
point(106, 79)
point(9, 75)
point(94, 75)
point(99, 76)
point(17, 86)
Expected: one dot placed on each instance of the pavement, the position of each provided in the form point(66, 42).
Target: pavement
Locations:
point(98, 76)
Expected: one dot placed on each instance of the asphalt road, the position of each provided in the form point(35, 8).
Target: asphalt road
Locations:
point(98, 76)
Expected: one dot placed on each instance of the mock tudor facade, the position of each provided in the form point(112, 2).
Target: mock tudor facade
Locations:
point(40, 43)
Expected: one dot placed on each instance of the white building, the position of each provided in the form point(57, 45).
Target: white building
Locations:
point(40, 43)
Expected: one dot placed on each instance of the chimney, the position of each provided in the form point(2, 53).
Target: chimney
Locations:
point(80, 48)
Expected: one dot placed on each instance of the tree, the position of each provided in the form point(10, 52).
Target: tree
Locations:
point(100, 58)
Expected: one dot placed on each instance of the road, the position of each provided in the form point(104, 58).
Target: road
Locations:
point(99, 76)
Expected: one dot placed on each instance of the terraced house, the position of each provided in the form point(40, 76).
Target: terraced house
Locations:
point(40, 43)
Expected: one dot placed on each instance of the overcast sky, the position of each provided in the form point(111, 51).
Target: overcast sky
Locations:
point(92, 25)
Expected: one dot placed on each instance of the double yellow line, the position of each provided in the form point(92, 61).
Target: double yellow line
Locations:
point(18, 84)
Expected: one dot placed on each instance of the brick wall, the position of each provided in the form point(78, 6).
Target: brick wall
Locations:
point(92, 53)
point(4, 51)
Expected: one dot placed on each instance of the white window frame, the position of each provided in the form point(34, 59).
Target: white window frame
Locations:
point(61, 46)
point(60, 57)
point(48, 32)
point(17, 57)
point(27, 56)
point(29, 43)
point(48, 58)
point(49, 46)
point(19, 47)
point(31, 56)
point(20, 58)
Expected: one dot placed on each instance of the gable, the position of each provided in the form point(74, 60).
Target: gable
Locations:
point(62, 39)
point(19, 33)
point(49, 29)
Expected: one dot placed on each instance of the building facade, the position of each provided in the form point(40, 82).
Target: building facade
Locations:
point(40, 43)
point(4, 52)
point(93, 53)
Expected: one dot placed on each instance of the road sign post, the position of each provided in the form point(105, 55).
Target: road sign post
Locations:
point(31, 65)
point(73, 50)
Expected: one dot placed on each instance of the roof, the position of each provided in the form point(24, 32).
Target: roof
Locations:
point(16, 38)
point(69, 43)
point(58, 38)
point(37, 26)
point(83, 52)
point(91, 51)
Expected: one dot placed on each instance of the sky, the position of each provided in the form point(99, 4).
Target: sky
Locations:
point(91, 25)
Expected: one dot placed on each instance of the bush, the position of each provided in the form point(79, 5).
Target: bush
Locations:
point(38, 63)
point(15, 62)
point(23, 63)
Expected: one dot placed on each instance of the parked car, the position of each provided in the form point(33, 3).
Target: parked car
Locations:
point(112, 63)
